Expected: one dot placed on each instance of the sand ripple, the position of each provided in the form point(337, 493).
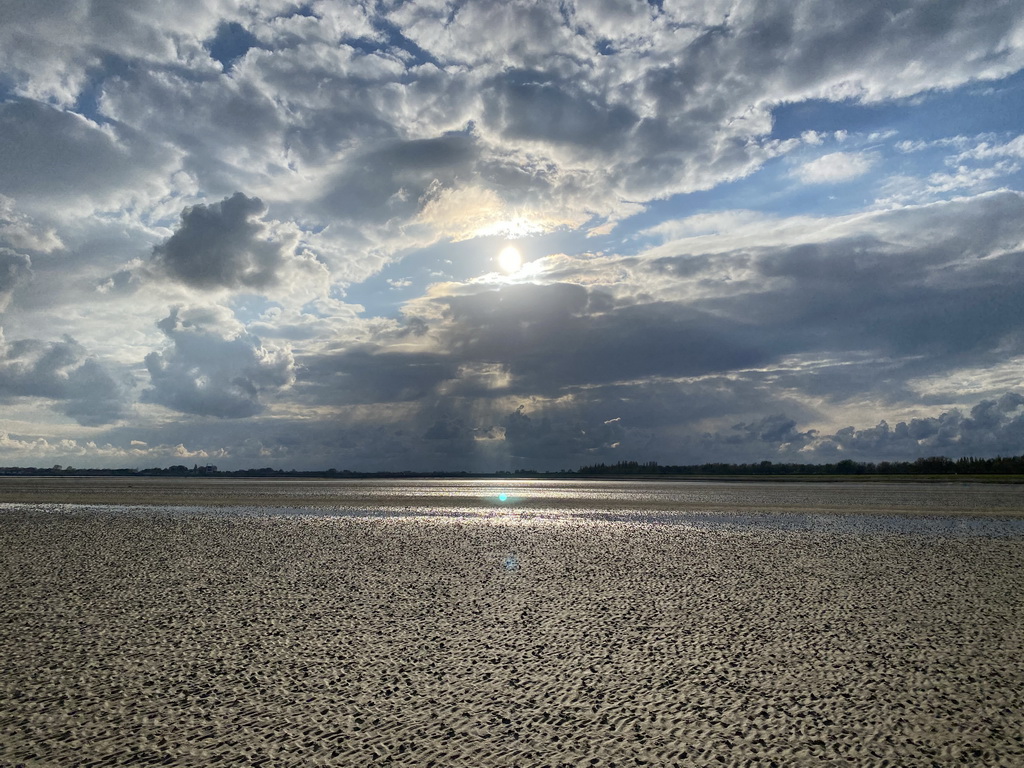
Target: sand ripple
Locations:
point(149, 639)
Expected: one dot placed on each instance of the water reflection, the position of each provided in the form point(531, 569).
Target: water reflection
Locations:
point(874, 497)
point(855, 508)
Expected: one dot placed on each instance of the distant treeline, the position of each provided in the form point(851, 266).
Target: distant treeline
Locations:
point(933, 465)
point(180, 470)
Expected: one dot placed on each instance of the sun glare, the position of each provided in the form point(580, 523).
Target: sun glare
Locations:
point(510, 260)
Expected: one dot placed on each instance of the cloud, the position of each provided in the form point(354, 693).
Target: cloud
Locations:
point(834, 168)
point(70, 452)
point(390, 180)
point(215, 368)
point(826, 311)
point(14, 268)
point(923, 290)
point(534, 105)
point(822, 308)
point(716, 223)
point(556, 436)
point(986, 150)
point(52, 157)
point(221, 246)
point(280, 159)
point(53, 49)
point(579, 110)
point(993, 427)
point(553, 337)
point(369, 373)
point(680, 99)
point(540, 438)
point(21, 233)
point(245, 141)
point(62, 372)
point(226, 245)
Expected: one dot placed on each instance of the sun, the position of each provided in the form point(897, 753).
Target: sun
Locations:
point(510, 260)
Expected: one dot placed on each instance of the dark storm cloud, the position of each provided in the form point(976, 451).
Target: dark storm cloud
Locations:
point(448, 428)
point(62, 371)
point(212, 370)
point(900, 293)
point(546, 339)
point(653, 419)
point(847, 296)
point(372, 374)
point(555, 336)
point(570, 435)
point(540, 438)
point(224, 245)
point(771, 429)
point(355, 443)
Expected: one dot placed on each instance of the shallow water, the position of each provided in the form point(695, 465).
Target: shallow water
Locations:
point(960, 509)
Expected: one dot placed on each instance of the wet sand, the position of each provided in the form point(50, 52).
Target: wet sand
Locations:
point(138, 637)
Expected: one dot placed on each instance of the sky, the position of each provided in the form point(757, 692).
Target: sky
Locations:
point(266, 233)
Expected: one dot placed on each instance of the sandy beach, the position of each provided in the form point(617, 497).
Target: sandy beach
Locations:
point(139, 637)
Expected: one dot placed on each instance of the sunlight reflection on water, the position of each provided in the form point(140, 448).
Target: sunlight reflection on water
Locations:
point(948, 509)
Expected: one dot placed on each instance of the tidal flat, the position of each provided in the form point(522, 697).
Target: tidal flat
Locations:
point(509, 623)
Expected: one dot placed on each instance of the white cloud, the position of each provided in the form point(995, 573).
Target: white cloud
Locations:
point(19, 231)
point(835, 167)
point(975, 165)
point(985, 150)
point(69, 452)
point(717, 223)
